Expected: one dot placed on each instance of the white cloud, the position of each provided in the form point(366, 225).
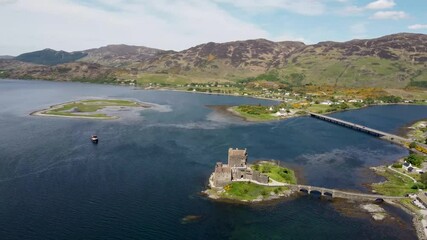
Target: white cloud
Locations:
point(351, 10)
point(381, 4)
point(375, 5)
point(418, 26)
point(305, 7)
point(394, 15)
point(66, 25)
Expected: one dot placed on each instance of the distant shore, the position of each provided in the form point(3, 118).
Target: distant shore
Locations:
point(208, 93)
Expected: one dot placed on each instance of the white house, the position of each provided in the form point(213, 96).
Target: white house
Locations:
point(327, 102)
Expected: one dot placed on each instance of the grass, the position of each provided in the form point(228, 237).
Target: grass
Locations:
point(396, 184)
point(276, 172)
point(89, 106)
point(254, 116)
point(246, 191)
point(111, 102)
point(318, 108)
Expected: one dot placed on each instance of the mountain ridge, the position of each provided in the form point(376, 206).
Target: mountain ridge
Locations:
point(393, 60)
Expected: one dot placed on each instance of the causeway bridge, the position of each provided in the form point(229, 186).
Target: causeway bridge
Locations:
point(354, 126)
point(380, 134)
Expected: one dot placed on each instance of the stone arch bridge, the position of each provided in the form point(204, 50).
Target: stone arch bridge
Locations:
point(333, 193)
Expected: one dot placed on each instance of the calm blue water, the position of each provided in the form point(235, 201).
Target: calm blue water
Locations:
point(145, 174)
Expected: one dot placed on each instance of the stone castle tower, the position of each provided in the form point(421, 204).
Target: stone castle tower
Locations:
point(237, 158)
point(236, 169)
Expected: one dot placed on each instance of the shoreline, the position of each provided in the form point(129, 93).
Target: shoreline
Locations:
point(136, 87)
point(228, 110)
point(416, 222)
point(207, 93)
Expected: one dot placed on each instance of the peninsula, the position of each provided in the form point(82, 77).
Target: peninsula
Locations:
point(103, 109)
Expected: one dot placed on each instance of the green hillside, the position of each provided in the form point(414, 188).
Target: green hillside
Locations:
point(50, 57)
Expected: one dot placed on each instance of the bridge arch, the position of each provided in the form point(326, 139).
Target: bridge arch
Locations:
point(329, 194)
point(316, 192)
point(304, 190)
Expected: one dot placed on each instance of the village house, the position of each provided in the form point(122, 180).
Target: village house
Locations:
point(355, 101)
point(236, 169)
point(327, 102)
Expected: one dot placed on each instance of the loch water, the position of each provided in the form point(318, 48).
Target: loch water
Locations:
point(149, 167)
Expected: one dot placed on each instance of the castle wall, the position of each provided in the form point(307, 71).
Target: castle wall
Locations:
point(222, 175)
point(259, 177)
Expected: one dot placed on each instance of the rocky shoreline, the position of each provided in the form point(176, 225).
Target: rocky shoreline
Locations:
point(215, 194)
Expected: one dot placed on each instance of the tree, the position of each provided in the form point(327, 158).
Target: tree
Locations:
point(397, 165)
point(343, 106)
point(369, 101)
point(415, 159)
point(413, 145)
point(424, 178)
point(418, 185)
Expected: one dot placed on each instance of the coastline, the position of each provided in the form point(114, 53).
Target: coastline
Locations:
point(229, 111)
point(417, 216)
point(41, 113)
point(207, 93)
point(213, 193)
point(416, 222)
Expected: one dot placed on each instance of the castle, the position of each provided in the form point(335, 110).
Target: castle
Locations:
point(236, 169)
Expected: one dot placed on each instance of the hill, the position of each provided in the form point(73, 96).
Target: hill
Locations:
point(50, 57)
point(120, 55)
point(6, 57)
point(393, 61)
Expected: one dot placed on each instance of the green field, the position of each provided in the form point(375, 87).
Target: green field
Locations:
point(246, 191)
point(396, 184)
point(255, 113)
point(318, 108)
point(89, 108)
point(276, 172)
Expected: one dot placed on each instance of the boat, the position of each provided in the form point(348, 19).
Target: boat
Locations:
point(94, 139)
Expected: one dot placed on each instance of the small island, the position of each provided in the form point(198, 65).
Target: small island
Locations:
point(243, 182)
point(91, 109)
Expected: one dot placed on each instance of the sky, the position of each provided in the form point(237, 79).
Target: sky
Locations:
point(72, 25)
